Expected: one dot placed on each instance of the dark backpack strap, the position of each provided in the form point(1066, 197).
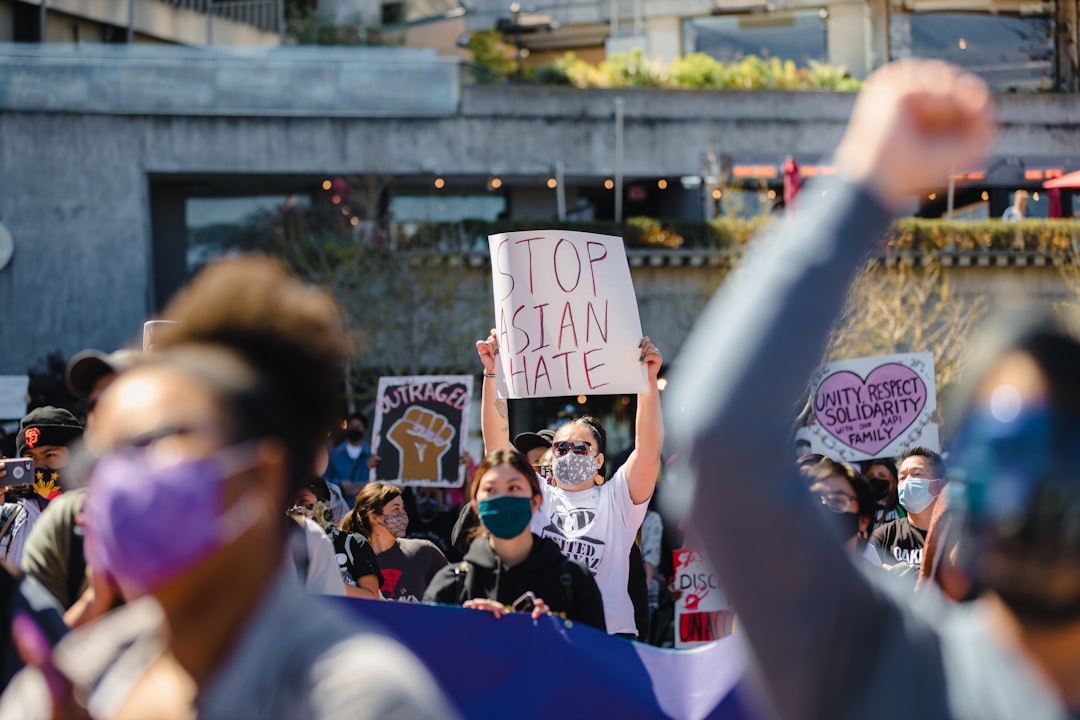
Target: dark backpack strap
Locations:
point(567, 581)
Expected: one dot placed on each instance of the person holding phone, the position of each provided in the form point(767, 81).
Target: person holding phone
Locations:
point(507, 567)
point(44, 436)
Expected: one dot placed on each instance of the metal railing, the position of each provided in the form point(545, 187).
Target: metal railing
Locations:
point(266, 15)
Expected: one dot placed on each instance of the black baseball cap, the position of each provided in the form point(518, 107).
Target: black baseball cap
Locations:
point(87, 367)
point(526, 441)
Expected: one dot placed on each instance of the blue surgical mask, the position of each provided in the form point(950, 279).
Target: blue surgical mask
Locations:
point(915, 494)
point(505, 516)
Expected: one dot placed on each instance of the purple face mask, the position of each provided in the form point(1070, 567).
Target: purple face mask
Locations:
point(147, 524)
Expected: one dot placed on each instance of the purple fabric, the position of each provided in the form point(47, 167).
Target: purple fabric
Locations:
point(145, 524)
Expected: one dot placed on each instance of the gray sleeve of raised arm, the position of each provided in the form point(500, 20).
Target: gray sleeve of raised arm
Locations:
point(740, 376)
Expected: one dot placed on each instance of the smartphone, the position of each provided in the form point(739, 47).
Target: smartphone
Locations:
point(525, 603)
point(20, 471)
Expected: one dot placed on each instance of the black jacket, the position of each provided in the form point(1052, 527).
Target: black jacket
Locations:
point(565, 585)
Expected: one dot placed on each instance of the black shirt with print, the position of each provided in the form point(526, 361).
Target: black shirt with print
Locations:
point(899, 543)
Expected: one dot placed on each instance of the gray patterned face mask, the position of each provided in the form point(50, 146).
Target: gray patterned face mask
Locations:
point(572, 470)
point(397, 523)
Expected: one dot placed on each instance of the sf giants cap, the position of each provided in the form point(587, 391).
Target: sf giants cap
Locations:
point(46, 426)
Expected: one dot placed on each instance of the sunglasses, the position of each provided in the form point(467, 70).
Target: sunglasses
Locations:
point(838, 502)
point(564, 447)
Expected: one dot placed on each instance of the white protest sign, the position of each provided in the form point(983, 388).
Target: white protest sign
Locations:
point(13, 390)
point(874, 407)
point(702, 612)
point(565, 314)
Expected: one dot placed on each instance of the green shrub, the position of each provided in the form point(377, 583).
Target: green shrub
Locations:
point(697, 71)
point(495, 60)
point(733, 233)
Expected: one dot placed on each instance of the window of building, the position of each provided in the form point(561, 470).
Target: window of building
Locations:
point(1009, 51)
point(446, 208)
point(217, 226)
point(799, 36)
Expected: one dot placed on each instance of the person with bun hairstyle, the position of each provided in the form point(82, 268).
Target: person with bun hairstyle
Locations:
point(507, 566)
point(592, 520)
point(194, 457)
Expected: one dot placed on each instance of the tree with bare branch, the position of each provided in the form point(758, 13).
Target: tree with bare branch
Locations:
point(907, 307)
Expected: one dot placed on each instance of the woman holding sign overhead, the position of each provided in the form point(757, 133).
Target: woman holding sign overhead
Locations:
point(592, 521)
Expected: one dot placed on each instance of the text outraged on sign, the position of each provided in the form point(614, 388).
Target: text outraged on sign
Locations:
point(874, 407)
point(420, 423)
point(702, 613)
point(565, 314)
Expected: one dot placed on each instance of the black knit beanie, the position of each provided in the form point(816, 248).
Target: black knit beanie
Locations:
point(47, 426)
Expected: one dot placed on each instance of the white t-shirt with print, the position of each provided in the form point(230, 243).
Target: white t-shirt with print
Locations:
point(597, 527)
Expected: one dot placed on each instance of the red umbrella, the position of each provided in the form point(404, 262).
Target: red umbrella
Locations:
point(1072, 181)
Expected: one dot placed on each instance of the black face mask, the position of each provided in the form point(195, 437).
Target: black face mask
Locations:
point(845, 525)
point(427, 507)
point(354, 436)
point(880, 488)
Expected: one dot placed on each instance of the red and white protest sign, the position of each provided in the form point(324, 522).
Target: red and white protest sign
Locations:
point(702, 612)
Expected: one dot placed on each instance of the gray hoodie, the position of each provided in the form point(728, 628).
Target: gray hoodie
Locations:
point(828, 643)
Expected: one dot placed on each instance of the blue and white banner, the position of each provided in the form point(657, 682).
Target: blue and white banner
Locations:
point(515, 667)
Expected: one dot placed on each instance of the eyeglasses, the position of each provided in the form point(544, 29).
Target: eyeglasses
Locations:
point(578, 448)
point(838, 502)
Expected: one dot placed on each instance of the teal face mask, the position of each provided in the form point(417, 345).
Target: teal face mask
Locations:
point(505, 516)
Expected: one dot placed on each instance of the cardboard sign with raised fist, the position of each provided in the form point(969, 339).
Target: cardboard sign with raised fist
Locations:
point(419, 425)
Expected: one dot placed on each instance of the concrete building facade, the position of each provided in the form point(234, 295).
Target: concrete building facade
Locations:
point(107, 155)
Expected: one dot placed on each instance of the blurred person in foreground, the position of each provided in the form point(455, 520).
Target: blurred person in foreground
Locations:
point(195, 455)
point(827, 642)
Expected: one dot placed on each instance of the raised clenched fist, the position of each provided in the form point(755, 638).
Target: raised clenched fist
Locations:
point(422, 437)
point(914, 123)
